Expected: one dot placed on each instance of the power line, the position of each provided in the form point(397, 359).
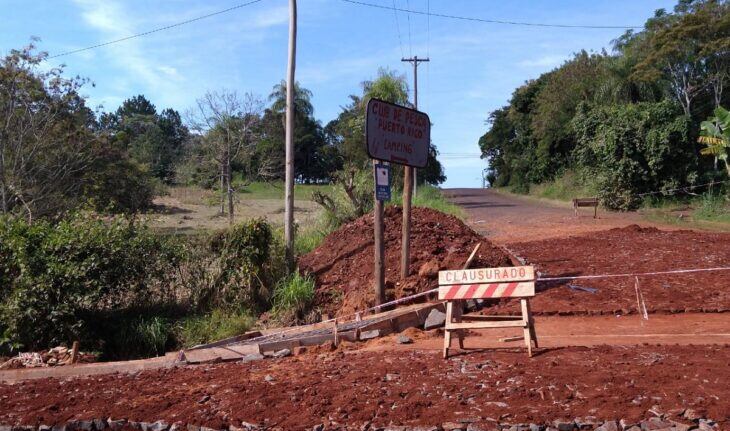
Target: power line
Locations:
point(496, 21)
point(167, 27)
point(397, 26)
point(410, 43)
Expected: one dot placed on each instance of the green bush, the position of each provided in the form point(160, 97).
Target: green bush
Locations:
point(634, 148)
point(236, 269)
point(55, 275)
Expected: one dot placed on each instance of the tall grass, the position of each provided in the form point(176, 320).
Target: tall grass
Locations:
point(712, 207)
point(566, 187)
point(211, 327)
point(293, 297)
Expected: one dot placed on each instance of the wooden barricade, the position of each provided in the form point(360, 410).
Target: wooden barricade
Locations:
point(487, 283)
point(586, 202)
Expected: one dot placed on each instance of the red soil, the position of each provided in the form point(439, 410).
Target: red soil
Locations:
point(398, 387)
point(632, 249)
point(343, 263)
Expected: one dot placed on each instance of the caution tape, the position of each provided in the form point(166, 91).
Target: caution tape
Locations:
point(634, 274)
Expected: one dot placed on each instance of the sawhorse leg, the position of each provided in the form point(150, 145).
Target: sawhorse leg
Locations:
point(453, 315)
point(529, 326)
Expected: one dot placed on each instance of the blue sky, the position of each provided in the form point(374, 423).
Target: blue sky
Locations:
point(474, 66)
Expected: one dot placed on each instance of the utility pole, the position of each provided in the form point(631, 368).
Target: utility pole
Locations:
point(408, 181)
point(289, 140)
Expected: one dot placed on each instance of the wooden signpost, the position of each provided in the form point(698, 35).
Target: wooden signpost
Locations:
point(396, 134)
point(487, 283)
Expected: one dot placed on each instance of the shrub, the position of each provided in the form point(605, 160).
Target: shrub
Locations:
point(634, 148)
point(237, 268)
point(57, 274)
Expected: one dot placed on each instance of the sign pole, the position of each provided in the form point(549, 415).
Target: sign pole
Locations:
point(409, 176)
point(379, 246)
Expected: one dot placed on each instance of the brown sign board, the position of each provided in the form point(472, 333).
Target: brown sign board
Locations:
point(397, 134)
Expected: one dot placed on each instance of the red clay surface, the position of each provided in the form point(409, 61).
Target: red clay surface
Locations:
point(343, 263)
point(390, 387)
point(632, 250)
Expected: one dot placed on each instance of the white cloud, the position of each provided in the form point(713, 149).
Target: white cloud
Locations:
point(271, 17)
point(544, 61)
point(113, 22)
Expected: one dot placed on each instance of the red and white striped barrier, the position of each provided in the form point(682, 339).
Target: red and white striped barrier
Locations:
point(487, 290)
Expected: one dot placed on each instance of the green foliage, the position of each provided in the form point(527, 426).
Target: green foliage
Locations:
point(239, 270)
point(350, 197)
point(58, 275)
point(715, 135)
point(678, 64)
point(712, 207)
point(293, 297)
point(214, 326)
point(634, 148)
point(567, 186)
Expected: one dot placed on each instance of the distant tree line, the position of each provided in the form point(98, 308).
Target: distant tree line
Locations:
point(58, 154)
point(625, 122)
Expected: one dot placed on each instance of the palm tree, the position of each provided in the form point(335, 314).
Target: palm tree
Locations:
point(716, 136)
point(302, 99)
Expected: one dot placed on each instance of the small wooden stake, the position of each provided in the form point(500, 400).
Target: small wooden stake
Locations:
point(337, 336)
point(74, 352)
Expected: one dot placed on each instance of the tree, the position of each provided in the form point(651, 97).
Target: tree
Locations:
point(302, 100)
point(228, 124)
point(715, 135)
point(153, 140)
point(45, 136)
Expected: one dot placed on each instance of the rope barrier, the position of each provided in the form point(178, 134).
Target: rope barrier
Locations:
point(541, 279)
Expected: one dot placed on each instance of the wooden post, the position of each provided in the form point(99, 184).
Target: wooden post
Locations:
point(289, 139)
point(74, 352)
point(405, 258)
point(379, 250)
point(336, 335)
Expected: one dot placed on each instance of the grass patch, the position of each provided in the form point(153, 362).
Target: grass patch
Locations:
point(293, 297)
point(428, 196)
point(275, 190)
point(311, 237)
point(217, 325)
point(565, 188)
point(712, 207)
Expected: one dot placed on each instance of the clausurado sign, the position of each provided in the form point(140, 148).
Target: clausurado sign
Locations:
point(487, 275)
point(397, 134)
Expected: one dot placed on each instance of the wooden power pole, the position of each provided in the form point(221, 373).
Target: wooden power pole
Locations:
point(289, 170)
point(408, 180)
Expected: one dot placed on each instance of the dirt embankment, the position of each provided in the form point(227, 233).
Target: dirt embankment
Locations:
point(631, 249)
point(343, 264)
point(399, 388)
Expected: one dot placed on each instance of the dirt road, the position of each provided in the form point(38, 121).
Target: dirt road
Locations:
point(507, 218)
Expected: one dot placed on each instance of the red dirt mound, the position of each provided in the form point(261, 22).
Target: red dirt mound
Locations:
point(343, 263)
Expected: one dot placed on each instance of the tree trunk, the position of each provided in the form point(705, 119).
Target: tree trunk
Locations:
point(230, 193)
point(223, 190)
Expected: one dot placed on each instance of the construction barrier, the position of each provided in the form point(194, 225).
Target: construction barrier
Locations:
point(487, 283)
